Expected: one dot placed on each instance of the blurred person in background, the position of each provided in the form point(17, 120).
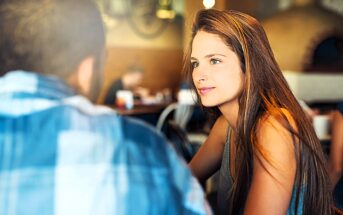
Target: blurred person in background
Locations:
point(264, 145)
point(61, 154)
point(130, 80)
point(336, 156)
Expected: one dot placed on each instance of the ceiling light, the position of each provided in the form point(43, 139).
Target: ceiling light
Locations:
point(208, 3)
point(165, 9)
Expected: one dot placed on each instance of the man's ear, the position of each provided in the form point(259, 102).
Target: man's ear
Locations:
point(84, 75)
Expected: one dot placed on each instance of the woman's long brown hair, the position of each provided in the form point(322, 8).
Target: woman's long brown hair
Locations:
point(266, 92)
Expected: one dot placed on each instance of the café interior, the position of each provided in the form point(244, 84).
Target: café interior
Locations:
point(151, 36)
point(143, 76)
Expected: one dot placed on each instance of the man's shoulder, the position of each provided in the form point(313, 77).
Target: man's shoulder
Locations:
point(107, 117)
point(133, 142)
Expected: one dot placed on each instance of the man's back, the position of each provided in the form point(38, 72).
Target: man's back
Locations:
point(59, 154)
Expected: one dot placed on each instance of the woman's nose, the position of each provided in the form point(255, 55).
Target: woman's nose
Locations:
point(200, 75)
point(202, 79)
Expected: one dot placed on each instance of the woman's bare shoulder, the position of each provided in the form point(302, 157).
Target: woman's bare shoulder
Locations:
point(279, 118)
point(274, 165)
point(274, 136)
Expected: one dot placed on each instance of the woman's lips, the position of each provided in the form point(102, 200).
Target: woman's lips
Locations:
point(205, 90)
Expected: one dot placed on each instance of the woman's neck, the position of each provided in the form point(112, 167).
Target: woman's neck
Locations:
point(230, 112)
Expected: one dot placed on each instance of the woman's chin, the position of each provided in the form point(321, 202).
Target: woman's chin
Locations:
point(209, 104)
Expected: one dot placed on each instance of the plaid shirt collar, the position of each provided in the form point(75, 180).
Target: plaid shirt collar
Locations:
point(20, 83)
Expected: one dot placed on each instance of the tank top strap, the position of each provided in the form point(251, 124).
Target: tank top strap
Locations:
point(226, 160)
point(225, 178)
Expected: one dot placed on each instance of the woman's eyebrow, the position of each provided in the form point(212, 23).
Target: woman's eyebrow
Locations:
point(211, 55)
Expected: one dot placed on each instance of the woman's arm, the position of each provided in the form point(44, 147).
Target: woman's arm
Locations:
point(273, 178)
point(336, 149)
point(208, 159)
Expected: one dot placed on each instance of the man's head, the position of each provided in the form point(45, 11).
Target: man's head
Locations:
point(52, 37)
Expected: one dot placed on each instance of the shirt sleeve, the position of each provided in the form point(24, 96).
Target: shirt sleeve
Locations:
point(186, 195)
point(193, 197)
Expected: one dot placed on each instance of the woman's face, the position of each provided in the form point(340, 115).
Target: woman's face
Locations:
point(217, 74)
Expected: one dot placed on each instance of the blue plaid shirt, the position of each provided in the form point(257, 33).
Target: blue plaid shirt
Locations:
point(60, 154)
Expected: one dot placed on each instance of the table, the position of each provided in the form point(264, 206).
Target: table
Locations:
point(146, 112)
point(142, 109)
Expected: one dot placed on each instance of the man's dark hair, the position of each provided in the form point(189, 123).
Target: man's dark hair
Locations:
point(49, 36)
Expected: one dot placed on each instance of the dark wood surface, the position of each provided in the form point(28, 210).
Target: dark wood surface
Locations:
point(139, 109)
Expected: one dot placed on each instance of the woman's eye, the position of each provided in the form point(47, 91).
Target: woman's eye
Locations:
point(215, 61)
point(194, 64)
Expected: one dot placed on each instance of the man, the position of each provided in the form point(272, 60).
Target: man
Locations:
point(59, 153)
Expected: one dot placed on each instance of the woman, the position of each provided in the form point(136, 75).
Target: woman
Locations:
point(270, 159)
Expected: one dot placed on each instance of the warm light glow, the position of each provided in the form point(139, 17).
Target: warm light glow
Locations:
point(165, 14)
point(208, 3)
point(165, 9)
